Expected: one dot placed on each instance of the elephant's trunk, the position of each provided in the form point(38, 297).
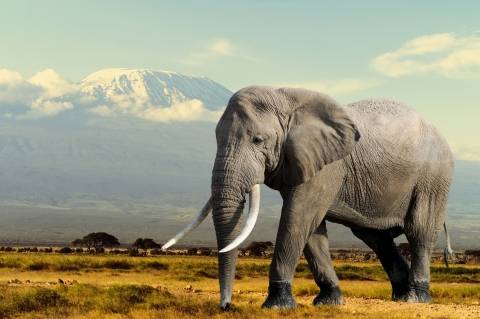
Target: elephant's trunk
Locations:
point(229, 185)
point(226, 221)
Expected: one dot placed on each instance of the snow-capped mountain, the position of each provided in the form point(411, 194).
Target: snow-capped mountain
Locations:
point(158, 88)
point(159, 96)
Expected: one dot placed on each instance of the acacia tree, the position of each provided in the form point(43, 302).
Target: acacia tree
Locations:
point(145, 243)
point(97, 240)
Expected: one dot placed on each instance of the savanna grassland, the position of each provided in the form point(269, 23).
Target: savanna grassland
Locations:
point(35, 285)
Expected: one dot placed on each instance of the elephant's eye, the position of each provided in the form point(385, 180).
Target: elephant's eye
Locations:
point(257, 140)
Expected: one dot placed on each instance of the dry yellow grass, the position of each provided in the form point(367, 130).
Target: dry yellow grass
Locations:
point(154, 287)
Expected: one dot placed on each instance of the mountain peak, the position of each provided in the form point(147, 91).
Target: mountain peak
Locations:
point(159, 88)
point(109, 74)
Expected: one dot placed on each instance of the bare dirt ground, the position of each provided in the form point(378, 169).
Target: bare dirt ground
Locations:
point(375, 308)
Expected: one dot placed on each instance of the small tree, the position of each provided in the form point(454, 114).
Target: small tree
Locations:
point(145, 243)
point(65, 250)
point(258, 248)
point(97, 240)
point(138, 243)
point(78, 242)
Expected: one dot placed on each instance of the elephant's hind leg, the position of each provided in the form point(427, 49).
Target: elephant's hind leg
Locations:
point(318, 256)
point(381, 242)
point(424, 220)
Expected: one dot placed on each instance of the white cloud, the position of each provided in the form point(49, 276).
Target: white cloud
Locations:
point(221, 47)
point(52, 83)
point(15, 90)
point(335, 87)
point(46, 108)
point(42, 95)
point(470, 152)
point(9, 77)
point(217, 48)
point(192, 110)
point(102, 110)
point(446, 54)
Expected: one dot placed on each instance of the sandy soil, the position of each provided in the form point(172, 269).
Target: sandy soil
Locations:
point(376, 307)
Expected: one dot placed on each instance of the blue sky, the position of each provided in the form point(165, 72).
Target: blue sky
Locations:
point(422, 53)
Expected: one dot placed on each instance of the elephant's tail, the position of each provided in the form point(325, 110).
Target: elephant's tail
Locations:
point(448, 250)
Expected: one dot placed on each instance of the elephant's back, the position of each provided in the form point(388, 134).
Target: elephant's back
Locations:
point(384, 116)
point(390, 125)
point(383, 106)
point(398, 129)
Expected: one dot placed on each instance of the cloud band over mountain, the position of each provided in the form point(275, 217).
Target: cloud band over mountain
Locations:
point(159, 96)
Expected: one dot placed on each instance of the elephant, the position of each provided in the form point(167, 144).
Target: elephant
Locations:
point(376, 166)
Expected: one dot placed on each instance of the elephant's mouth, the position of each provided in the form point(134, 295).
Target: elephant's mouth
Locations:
point(253, 210)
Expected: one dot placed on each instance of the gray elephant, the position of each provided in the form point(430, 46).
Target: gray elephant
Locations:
point(375, 166)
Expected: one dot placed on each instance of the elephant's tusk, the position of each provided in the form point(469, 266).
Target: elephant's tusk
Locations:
point(254, 206)
point(197, 221)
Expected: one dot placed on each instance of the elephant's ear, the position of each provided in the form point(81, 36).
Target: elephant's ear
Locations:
point(320, 132)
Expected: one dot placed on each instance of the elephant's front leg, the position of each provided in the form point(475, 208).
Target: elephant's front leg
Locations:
point(317, 253)
point(304, 208)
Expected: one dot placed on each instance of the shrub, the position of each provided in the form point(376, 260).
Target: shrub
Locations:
point(155, 265)
point(192, 251)
point(121, 298)
point(38, 265)
point(473, 252)
point(203, 251)
point(258, 248)
point(133, 252)
point(156, 252)
point(65, 250)
point(207, 274)
point(118, 264)
point(118, 252)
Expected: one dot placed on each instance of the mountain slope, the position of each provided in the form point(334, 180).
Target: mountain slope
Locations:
point(144, 180)
point(123, 172)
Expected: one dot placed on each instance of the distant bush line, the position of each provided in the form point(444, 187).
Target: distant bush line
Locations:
point(255, 249)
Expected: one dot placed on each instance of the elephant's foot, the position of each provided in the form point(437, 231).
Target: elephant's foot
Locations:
point(329, 296)
point(280, 296)
point(226, 307)
point(400, 292)
point(418, 293)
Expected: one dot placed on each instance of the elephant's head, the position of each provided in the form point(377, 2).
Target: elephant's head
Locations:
point(280, 137)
